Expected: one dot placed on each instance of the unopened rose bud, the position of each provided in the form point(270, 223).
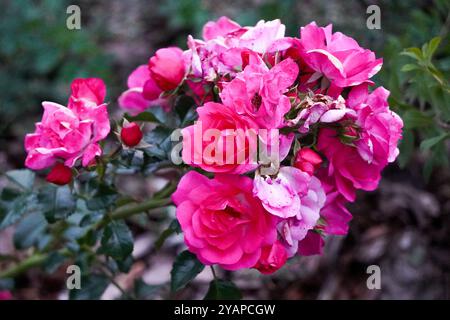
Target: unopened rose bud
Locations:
point(131, 134)
point(60, 175)
point(307, 160)
point(272, 258)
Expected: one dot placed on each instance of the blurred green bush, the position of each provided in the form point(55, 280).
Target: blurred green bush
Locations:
point(39, 56)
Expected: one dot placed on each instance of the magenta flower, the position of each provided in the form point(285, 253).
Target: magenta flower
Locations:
point(221, 220)
point(338, 57)
point(272, 258)
point(220, 141)
point(73, 132)
point(167, 68)
point(224, 42)
point(381, 128)
point(295, 228)
point(135, 100)
point(258, 92)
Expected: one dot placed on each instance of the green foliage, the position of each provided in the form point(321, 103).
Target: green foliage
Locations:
point(185, 268)
point(223, 290)
point(117, 240)
point(416, 70)
point(92, 287)
point(40, 56)
point(427, 88)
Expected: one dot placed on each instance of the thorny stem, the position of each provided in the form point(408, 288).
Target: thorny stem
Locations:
point(124, 212)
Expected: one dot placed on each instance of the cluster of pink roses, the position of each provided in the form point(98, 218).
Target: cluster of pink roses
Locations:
point(335, 136)
point(67, 134)
point(314, 89)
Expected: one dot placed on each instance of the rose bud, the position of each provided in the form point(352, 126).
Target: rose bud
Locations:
point(272, 258)
point(60, 175)
point(307, 160)
point(131, 134)
point(167, 68)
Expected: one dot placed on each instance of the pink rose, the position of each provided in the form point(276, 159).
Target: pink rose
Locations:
point(336, 56)
point(220, 53)
point(73, 132)
point(346, 166)
point(167, 68)
point(216, 215)
point(142, 92)
point(222, 27)
point(334, 213)
point(258, 92)
point(319, 108)
point(295, 228)
point(381, 128)
point(220, 141)
point(272, 258)
point(307, 160)
point(312, 244)
point(281, 195)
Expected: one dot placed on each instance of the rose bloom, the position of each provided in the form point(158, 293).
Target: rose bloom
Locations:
point(221, 220)
point(134, 100)
point(224, 41)
point(220, 141)
point(272, 258)
point(167, 68)
point(359, 166)
point(73, 132)
point(165, 71)
point(381, 127)
point(337, 56)
point(258, 92)
point(307, 160)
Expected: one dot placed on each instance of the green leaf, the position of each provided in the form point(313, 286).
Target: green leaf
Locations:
point(14, 206)
point(183, 105)
point(53, 262)
point(143, 290)
point(30, 231)
point(174, 227)
point(406, 148)
point(159, 139)
point(223, 290)
point(185, 268)
point(414, 53)
point(432, 46)
point(103, 198)
point(409, 67)
point(57, 202)
point(117, 240)
point(22, 177)
point(431, 142)
point(143, 116)
point(92, 288)
point(416, 119)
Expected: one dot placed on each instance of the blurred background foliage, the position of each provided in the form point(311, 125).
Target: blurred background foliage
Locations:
point(39, 57)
